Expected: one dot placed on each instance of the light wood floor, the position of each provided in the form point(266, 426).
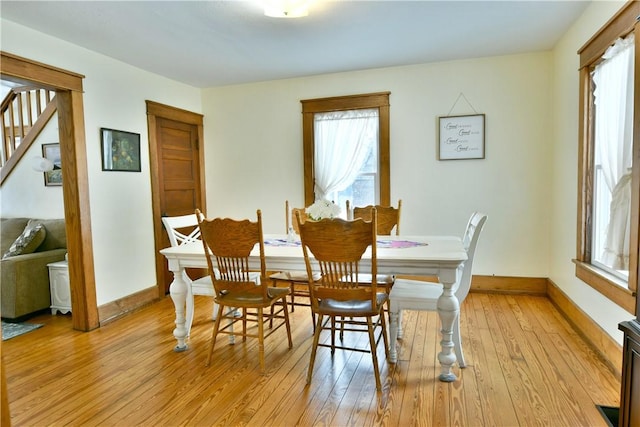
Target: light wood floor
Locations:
point(526, 367)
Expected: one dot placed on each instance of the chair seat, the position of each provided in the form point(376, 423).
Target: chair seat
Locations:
point(252, 299)
point(294, 276)
point(202, 286)
point(351, 308)
point(414, 294)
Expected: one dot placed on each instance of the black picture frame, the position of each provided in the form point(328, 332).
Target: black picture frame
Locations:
point(53, 178)
point(120, 150)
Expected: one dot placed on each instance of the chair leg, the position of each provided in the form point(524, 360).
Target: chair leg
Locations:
point(286, 320)
point(313, 320)
point(314, 348)
point(457, 342)
point(244, 324)
point(261, 339)
point(293, 292)
point(374, 355)
point(214, 334)
point(333, 334)
point(271, 317)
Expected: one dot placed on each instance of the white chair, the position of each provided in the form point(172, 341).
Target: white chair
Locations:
point(423, 296)
point(182, 230)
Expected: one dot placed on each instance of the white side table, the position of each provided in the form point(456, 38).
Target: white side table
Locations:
point(60, 289)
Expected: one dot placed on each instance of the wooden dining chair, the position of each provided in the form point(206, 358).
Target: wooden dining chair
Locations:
point(423, 296)
point(337, 246)
point(229, 243)
point(388, 217)
point(296, 280)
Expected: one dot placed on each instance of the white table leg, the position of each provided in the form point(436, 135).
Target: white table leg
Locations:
point(190, 303)
point(393, 333)
point(448, 310)
point(178, 291)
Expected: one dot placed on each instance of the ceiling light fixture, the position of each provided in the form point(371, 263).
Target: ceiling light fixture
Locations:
point(286, 8)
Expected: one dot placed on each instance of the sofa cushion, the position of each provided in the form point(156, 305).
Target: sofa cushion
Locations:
point(32, 237)
point(56, 234)
point(10, 229)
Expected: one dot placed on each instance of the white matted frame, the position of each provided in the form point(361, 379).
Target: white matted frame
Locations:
point(461, 137)
point(53, 178)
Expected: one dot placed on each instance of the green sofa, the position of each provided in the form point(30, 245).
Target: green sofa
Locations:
point(25, 277)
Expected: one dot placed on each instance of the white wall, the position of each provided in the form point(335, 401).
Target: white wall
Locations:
point(39, 201)
point(253, 137)
point(114, 97)
point(564, 167)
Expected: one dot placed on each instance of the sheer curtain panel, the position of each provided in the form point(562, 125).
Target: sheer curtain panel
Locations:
point(613, 99)
point(343, 140)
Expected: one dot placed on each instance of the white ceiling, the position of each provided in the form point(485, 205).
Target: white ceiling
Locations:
point(213, 43)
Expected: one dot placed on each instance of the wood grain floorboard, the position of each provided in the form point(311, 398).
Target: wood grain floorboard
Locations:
point(526, 366)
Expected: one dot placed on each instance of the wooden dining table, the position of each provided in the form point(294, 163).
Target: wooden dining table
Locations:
point(406, 255)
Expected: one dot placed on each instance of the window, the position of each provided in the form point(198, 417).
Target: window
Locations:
point(612, 83)
point(345, 156)
point(609, 187)
point(346, 149)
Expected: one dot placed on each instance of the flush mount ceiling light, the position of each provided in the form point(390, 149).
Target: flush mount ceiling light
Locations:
point(286, 8)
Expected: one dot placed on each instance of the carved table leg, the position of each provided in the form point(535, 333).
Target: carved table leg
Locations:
point(393, 334)
point(448, 310)
point(178, 291)
point(190, 303)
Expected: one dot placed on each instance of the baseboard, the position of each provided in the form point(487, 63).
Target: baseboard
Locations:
point(509, 285)
point(116, 309)
point(590, 331)
point(498, 284)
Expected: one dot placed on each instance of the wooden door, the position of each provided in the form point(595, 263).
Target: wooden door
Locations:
point(174, 138)
point(178, 169)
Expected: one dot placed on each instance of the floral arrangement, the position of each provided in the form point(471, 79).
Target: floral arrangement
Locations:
point(321, 209)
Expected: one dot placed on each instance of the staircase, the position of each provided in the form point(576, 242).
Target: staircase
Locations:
point(24, 111)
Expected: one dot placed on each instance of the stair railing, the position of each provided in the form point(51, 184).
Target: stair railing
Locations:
point(24, 109)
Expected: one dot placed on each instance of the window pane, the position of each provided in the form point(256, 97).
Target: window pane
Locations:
point(613, 129)
point(363, 191)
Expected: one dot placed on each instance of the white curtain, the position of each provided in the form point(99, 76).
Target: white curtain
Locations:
point(343, 140)
point(613, 98)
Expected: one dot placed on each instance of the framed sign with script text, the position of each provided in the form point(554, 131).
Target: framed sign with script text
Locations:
point(461, 137)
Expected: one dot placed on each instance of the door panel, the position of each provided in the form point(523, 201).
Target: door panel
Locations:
point(179, 176)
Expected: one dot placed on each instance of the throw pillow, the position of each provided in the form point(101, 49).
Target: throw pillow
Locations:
point(32, 236)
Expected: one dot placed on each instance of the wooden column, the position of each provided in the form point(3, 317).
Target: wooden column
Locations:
point(75, 189)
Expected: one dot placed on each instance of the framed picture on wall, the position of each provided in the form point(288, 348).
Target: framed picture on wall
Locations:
point(51, 152)
point(461, 137)
point(120, 150)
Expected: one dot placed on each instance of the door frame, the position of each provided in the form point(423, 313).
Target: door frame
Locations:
point(156, 110)
point(75, 187)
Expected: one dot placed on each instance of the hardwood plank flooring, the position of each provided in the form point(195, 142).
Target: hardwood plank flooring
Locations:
point(526, 366)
